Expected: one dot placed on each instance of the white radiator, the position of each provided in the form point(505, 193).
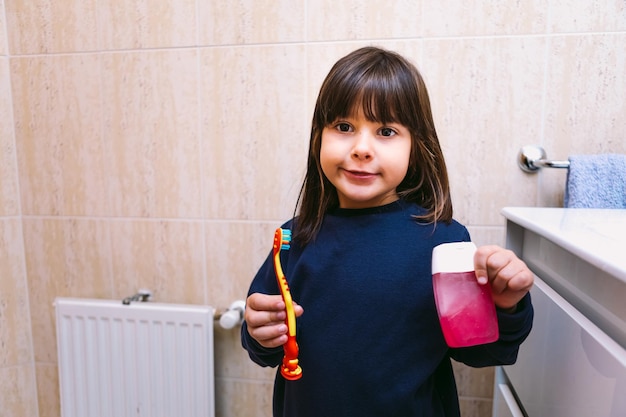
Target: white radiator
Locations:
point(140, 360)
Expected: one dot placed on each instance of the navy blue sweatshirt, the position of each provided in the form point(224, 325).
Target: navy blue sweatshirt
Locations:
point(370, 339)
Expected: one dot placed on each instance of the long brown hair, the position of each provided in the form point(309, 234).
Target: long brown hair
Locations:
point(389, 89)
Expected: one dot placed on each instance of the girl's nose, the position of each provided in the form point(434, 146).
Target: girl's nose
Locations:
point(362, 147)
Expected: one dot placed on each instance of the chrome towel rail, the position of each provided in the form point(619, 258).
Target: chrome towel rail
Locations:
point(533, 157)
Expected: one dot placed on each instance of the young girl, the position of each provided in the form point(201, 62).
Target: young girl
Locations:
point(374, 204)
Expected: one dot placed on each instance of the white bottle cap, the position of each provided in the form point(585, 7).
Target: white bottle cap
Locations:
point(454, 257)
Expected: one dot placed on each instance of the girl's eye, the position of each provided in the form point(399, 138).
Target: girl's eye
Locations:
point(343, 127)
point(387, 131)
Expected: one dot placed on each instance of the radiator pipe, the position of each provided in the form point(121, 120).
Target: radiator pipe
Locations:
point(142, 296)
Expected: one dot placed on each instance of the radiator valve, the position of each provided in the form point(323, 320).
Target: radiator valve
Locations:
point(232, 316)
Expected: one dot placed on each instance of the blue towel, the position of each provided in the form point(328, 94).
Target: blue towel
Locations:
point(596, 181)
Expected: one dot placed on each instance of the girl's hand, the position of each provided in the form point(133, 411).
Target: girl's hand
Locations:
point(265, 317)
point(509, 276)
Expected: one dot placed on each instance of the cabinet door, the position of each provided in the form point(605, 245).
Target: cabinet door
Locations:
point(567, 367)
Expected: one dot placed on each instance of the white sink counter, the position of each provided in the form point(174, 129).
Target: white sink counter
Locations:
point(596, 235)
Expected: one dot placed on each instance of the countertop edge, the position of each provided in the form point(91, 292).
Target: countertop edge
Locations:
point(516, 215)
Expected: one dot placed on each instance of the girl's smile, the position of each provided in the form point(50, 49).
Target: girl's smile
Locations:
point(360, 175)
point(365, 160)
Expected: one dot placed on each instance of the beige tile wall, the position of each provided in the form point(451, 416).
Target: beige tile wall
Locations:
point(158, 144)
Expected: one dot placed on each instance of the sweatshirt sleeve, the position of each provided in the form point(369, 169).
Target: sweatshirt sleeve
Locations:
point(514, 329)
point(264, 282)
point(259, 354)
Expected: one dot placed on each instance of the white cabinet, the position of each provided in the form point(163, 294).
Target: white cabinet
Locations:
point(574, 360)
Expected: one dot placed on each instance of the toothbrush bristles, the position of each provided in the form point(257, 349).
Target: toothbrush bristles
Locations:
point(286, 239)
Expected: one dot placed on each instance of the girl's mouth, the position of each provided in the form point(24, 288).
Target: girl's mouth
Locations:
point(361, 175)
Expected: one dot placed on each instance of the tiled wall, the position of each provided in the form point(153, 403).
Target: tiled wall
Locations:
point(158, 144)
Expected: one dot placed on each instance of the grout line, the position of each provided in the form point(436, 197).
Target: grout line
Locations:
point(24, 270)
point(148, 219)
point(200, 134)
point(330, 41)
point(544, 98)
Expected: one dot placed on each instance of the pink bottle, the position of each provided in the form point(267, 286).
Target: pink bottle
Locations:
point(466, 310)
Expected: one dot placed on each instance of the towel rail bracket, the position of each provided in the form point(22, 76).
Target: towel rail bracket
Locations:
point(531, 158)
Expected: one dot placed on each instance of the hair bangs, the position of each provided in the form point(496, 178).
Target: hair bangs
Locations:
point(379, 101)
point(378, 92)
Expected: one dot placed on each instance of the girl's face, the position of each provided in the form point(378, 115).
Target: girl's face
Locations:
point(364, 160)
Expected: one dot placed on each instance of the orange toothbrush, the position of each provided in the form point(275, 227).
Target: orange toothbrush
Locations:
point(290, 369)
